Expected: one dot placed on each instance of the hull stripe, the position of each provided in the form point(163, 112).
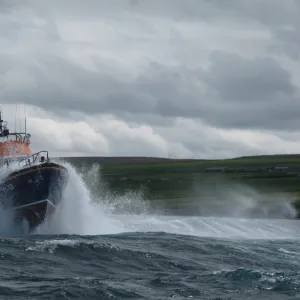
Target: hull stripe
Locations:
point(35, 170)
point(34, 203)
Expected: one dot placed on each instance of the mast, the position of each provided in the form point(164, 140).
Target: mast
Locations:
point(16, 117)
point(25, 121)
point(4, 132)
point(1, 121)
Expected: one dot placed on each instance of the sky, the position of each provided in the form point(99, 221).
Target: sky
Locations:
point(166, 78)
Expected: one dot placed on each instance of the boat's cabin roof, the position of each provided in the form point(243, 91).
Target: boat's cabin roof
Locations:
point(16, 137)
point(10, 136)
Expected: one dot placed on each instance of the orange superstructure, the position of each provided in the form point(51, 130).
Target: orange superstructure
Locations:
point(13, 148)
point(13, 144)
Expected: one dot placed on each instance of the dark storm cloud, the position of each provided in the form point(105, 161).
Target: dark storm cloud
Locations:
point(271, 12)
point(234, 92)
point(251, 93)
point(239, 79)
point(288, 41)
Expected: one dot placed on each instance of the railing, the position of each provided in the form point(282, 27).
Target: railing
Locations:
point(28, 161)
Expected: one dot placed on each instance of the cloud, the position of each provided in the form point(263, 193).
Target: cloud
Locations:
point(159, 78)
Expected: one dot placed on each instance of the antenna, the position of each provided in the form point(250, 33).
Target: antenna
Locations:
point(25, 121)
point(16, 117)
point(1, 121)
point(20, 119)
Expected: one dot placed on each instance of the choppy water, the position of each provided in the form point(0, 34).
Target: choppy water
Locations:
point(148, 266)
point(88, 252)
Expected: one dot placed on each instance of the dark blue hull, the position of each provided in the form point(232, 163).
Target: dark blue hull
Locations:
point(34, 192)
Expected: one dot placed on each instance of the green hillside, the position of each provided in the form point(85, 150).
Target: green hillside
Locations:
point(170, 179)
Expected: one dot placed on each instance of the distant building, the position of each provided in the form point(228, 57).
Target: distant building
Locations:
point(217, 169)
point(280, 168)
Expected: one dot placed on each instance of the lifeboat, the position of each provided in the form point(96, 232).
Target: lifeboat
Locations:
point(32, 185)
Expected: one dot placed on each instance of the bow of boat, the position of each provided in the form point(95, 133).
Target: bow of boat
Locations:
point(34, 185)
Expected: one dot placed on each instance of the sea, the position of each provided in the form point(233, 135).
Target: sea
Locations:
point(88, 251)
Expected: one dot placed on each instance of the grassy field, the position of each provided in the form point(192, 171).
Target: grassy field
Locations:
point(190, 178)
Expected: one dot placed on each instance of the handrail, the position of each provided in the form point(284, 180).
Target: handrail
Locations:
point(34, 156)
